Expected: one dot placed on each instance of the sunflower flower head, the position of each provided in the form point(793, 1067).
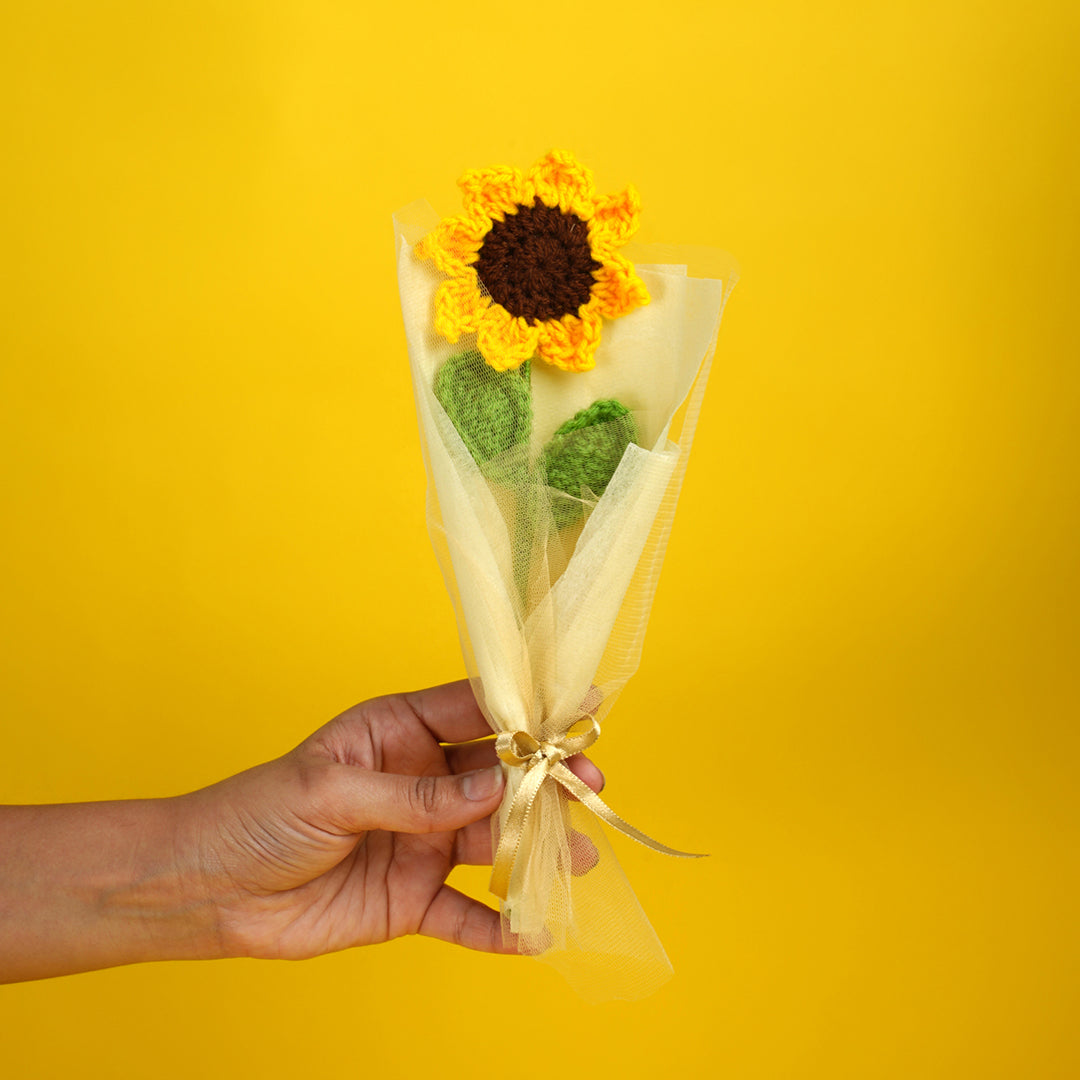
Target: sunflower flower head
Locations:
point(533, 266)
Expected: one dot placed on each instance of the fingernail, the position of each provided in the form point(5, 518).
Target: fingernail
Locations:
point(482, 784)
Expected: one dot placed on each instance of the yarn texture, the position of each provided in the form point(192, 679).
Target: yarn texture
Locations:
point(533, 266)
point(491, 410)
point(584, 453)
point(537, 263)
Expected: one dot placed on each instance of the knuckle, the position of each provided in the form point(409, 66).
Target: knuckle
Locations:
point(494, 934)
point(319, 789)
point(460, 932)
point(315, 779)
point(477, 930)
point(423, 794)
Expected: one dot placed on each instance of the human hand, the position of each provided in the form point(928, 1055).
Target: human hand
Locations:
point(348, 839)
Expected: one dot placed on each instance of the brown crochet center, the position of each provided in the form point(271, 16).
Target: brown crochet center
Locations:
point(537, 263)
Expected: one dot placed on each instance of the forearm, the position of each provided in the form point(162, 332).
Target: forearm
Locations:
point(94, 885)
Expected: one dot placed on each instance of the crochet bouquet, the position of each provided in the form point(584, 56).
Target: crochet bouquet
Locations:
point(557, 386)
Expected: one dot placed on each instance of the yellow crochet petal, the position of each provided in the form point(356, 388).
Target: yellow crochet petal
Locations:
point(559, 179)
point(454, 243)
point(458, 305)
point(616, 217)
point(492, 192)
point(571, 342)
point(505, 342)
point(502, 204)
point(618, 290)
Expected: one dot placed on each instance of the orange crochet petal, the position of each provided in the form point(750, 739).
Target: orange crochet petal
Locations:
point(616, 217)
point(493, 192)
point(505, 342)
point(453, 243)
point(458, 305)
point(618, 290)
point(561, 180)
point(571, 342)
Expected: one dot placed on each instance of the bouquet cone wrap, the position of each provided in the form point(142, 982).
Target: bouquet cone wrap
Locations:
point(552, 589)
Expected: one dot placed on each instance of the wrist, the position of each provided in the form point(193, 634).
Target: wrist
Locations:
point(177, 897)
point(163, 899)
point(139, 895)
point(95, 885)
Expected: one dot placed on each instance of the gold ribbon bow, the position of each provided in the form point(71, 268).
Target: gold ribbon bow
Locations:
point(541, 761)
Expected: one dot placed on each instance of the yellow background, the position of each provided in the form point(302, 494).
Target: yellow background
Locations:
point(214, 535)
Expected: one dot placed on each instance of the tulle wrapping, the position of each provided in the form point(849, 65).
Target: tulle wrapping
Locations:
point(552, 616)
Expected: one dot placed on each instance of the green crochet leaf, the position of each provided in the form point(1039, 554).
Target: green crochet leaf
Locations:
point(492, 411)
point(584, 453)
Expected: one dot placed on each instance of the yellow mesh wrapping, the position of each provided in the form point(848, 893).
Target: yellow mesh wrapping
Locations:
point(551, 615)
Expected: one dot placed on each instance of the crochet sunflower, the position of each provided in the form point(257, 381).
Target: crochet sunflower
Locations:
point(533, 264)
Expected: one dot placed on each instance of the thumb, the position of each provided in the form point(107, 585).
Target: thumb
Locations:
point(417, 804)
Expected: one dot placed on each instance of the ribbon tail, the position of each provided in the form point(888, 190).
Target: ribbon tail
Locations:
point(514, 830)
point(586, 795)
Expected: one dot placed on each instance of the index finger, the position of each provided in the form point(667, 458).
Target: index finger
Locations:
point(449, 712)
